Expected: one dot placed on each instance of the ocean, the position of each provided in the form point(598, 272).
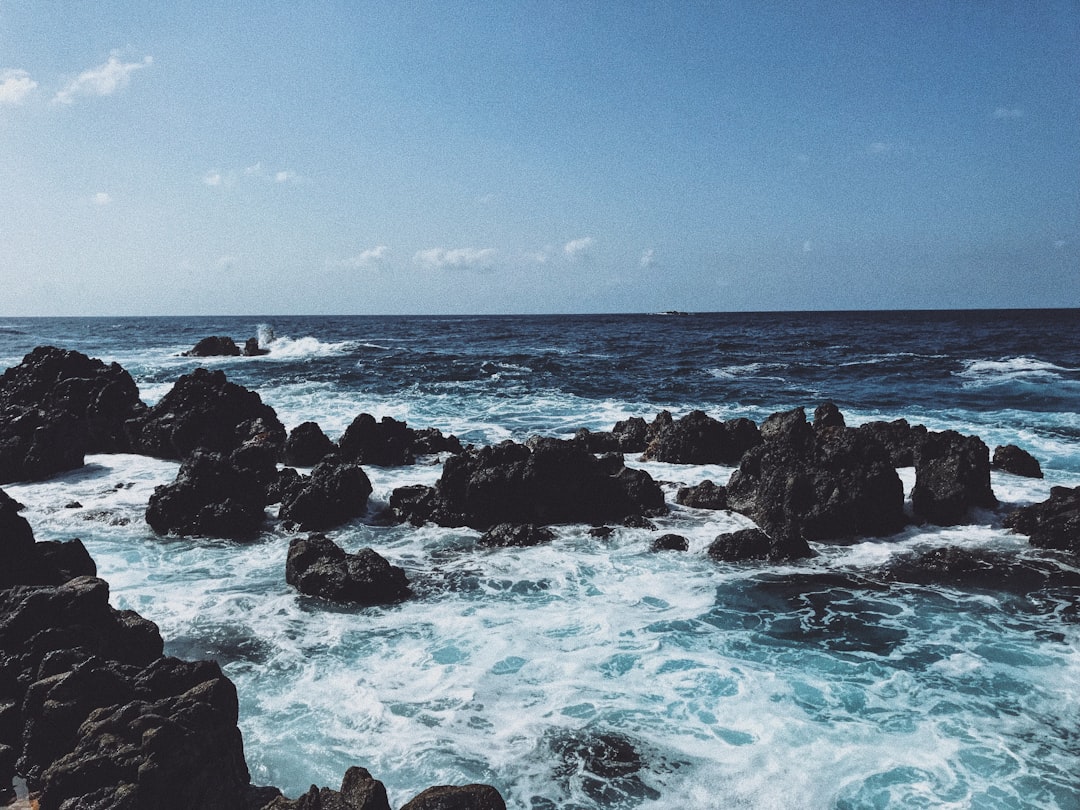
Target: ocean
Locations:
point(750, 685)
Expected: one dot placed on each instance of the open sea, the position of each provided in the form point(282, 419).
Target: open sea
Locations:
point(740, 685)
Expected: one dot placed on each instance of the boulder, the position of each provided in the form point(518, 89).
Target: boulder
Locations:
point(24, 562)
point(952, 476)
point(671, 542)
point(334, 493)
point(58, 405)
point(1053, 524)
point(1015, 460)
point(830, 484)
point(215, 346)
point(705, 495)
point(213, 496)
point(505, 535)
point(450, 797)
point(699, 439)
point(980, 569)
point(307, 445)
point(545, 482)
point(253, 349)
point(317, 566)
point(203, 409)
point(828, 415)
point(900, 440)
point(390, 443)
point(628, 436)
point(754, 544)
point(605, 765)
point(359, 791)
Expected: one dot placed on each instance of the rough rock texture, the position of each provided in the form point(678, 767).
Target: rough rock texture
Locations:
point(390, 443)
point(804, 484)
point(979, 569)
point(754, 544)
point(215, 346)
point(900, 440)
point(213, 495)
point(1015, 460)
point(697, 438)
point(828, 415)
point(628, 436)
point(505, 535)
point(952, 476)
point(317, 566)
point(359, 791)
point(605, 765)
point(307, 445)
point(203, 409)
point(1054, 523)
point(705, 495)
point(56, 406)
point(253, 349)
point(548, 481)
point(465, 797)
point(671, 542)
point(334, 493)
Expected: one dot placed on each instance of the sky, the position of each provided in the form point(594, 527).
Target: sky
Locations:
point(532, 157)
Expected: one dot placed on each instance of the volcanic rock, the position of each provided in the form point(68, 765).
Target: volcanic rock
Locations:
point(253, 349)
point(307, 445)
point(900, 440)
point(203, 409)
point(754, 544)
point(1015, 460)
point(671, 542)
point(828, 415)
point(390, 443)
point(697, 438)
point(216, 346)
point(317, 566)
point(549, 481)
point(705, 495)
point(359, 791)
point(505, 535)
point(450, 797)
point(1054, 523)
point(334, 493)
point(952, 475)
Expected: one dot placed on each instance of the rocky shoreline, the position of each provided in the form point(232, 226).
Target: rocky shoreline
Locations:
point(93, 715)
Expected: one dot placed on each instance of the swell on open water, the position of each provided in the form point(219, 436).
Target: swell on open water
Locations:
point(741, 685)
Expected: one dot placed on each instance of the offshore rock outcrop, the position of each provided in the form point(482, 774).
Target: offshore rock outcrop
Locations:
point(754, 544)
point(828, 484)
point(56, 406)
point(1052, 524)
point(1015, 460)
point(203, 409)
point(697, 438)
point(705, 495)
point(335, 493)
point(545, 482)
point(317, 566)
point(505, 535)
point(390, 443)
point(307, 445)
point(952, 476)
point(214, 346)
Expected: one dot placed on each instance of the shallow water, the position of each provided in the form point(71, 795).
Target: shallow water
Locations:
point(799, 686)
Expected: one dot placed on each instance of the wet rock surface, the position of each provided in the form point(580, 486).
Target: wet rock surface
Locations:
point(697, 438)
point(505, 535)
point(334, 493)
point(390, 443)
point(317, 566)
point(705, 495)
point(952, 477)
point(1015, 460)
point(1052, 524)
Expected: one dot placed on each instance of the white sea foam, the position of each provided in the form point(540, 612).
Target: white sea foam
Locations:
point(979, 373)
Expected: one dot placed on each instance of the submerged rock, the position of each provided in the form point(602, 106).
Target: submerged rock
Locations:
point(204, 410)
point(982, 569)
point(1015, 460)
point(605, 765)
point(317, 566)
point(546, 482)
point(56, 406)
point(754, 544)
point(1053, 524)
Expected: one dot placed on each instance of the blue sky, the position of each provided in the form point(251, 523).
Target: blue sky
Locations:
point(406, 157)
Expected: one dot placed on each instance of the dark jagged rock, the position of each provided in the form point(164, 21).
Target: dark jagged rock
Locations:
point(317, 566)
point(1053, 524)
point(24, 562)
point(981, 569)
point(58, 405)
point(505, 535)
point(697, 438)
point(212, 496)
point(952, 476)
point(334, 493)
point(464, 797)
point(828, 415)
point(705, 495)
point(806, 485)
point(253, 349)
point(671, 542)
point(214, 346)
point(307, 445)
point(638, 522)
point(390, 443)
point(628, 436)
point(754, 544)
point(900, 440)
point(1015, 460)
point(359, 791)
point(203, 409)
point(605, 765)
point(546, 482)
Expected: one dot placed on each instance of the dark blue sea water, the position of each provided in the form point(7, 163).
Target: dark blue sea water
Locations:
point(742, 685)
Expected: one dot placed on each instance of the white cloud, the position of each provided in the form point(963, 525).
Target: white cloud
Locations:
point(256, 170)
point(1008, 112)
point(15, 85)
point(577, 247)
point(808, 246)
point(213, 178)
point(103, 80)
point(648, 258)
point(373, 257)
point(101, 198)
point(455, 258)
point(286, 176)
